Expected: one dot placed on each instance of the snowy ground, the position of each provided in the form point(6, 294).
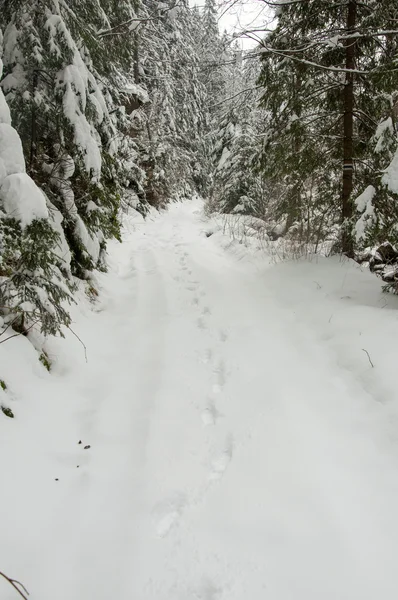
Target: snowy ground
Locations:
point(241, 444)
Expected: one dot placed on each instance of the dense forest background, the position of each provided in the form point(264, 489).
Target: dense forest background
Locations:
point(107, 106)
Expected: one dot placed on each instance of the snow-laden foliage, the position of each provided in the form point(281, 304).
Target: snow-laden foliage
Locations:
point(286, 157)
point(169, 65)
point(59, 108)
point(34, 258)
point(238, 187)
point(111, 108)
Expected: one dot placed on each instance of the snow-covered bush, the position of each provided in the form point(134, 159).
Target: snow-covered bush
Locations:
point(34, 258)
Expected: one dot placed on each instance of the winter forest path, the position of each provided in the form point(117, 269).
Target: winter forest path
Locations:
point(231, 457)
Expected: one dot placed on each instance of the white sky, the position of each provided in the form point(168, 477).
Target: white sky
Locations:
point(237, 16)
point(245, 14)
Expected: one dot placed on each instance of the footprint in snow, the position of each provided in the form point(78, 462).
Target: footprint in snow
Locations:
point(208, 355)
point(220, 463)
point(200, 323)
point(207, 590)
point(210, 414)
point(219, 375)
point(223, 335)
point(206, 310)
point(168, 513)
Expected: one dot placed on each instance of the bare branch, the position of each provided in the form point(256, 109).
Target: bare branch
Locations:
point(15, 585)
point(370, 360)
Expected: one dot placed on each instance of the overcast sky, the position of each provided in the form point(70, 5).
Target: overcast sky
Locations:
point(243, 14)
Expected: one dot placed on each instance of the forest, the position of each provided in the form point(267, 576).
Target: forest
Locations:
point(198, 299)
point(109, 106)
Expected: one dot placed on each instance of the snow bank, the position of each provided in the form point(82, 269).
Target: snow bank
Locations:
point(22, 199)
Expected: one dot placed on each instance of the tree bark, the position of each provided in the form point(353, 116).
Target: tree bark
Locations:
point(348, 124)
point(136, 66)
point(33, 133)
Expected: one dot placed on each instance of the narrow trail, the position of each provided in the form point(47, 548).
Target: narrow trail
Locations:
point(231, 456)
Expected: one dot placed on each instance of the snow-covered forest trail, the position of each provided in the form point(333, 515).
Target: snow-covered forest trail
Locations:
point(232, 453)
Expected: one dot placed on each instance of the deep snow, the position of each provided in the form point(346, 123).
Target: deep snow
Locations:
point(241, 444)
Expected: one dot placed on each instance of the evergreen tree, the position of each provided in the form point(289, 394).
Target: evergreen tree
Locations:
point(65, 91)
point(324, 66)
point(175, 117)
point(238, 185)
point(35, 274)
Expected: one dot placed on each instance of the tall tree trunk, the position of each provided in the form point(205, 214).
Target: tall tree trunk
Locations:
point(136, 66)
point(348, 165)
point(33, 132)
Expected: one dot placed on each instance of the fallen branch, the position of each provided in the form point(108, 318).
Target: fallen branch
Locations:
point(370, 360)
point(15, 585)
point(80, 340)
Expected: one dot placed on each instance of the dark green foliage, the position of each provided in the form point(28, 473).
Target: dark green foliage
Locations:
point(45, 361)
point(7, 411)
point(303, 95)
point(32, 287)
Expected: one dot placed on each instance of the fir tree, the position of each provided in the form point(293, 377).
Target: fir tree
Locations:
point(323, 68)
point(35, 279)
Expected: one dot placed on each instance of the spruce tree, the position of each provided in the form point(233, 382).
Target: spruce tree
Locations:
point(65, 91)
point(323, 67)
point(35, 278)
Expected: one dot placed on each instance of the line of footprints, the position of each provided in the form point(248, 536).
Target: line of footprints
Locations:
point(169, 512)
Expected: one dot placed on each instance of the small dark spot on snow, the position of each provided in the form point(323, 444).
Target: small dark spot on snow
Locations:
point(209, 233)
point(77, 466)
point(7, 411)
point(87, 447)
point(56, 479)
point(79, 442)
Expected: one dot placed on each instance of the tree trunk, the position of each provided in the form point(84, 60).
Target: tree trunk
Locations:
point(33, 132)
point(136, 66)
point(348, 165)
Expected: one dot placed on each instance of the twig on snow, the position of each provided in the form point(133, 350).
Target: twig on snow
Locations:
point(80, 340)
point(370, 360)
point(15, 585)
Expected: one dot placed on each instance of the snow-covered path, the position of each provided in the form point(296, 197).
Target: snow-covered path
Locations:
point(234, 453)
